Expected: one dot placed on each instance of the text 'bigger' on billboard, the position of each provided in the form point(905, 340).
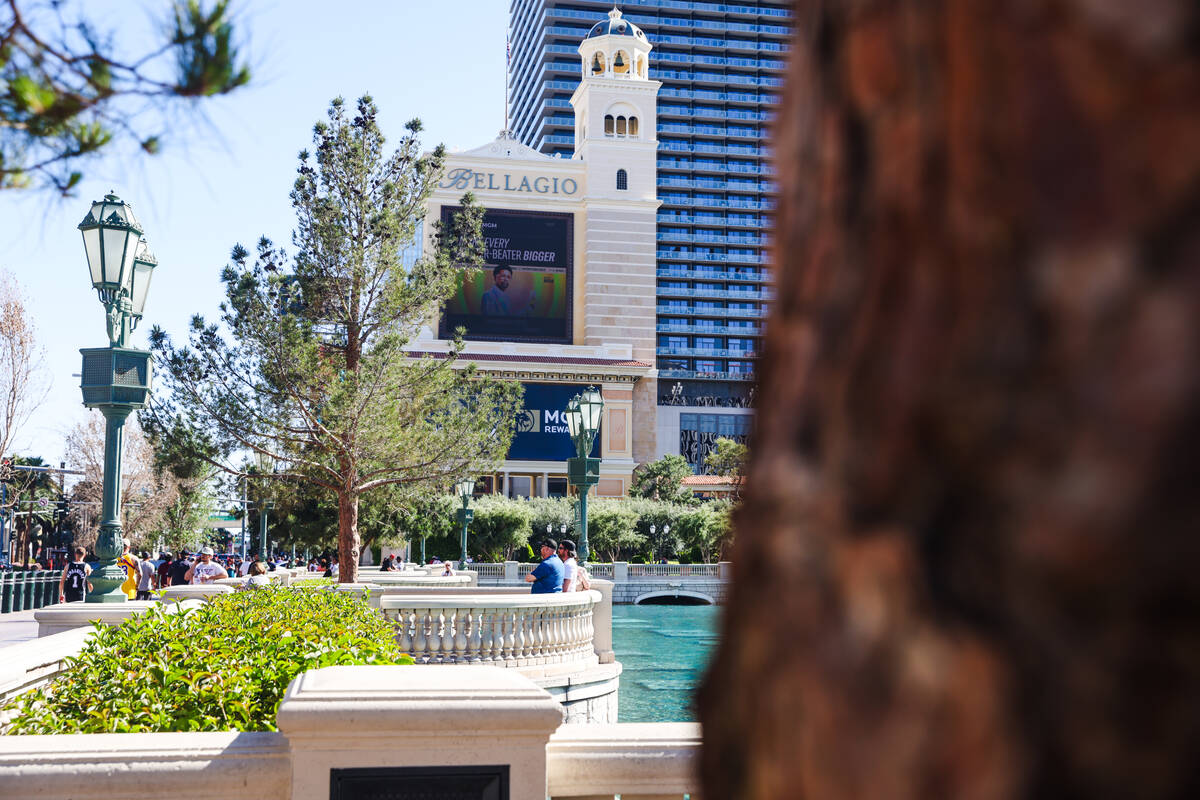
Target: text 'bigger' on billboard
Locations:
point(523, 294)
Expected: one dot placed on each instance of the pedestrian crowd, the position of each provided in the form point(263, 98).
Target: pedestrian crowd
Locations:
point(145, 575)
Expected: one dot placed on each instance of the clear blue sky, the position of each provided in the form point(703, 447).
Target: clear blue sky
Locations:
point(226, 178)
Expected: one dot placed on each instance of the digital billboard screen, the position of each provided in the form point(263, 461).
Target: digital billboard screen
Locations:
point(523, 294)
point(541, 430)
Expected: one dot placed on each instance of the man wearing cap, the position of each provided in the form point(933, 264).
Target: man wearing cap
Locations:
point(547, 577)
point(205, 570)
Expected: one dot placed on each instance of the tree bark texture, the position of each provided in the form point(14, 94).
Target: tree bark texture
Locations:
point(349, 543)
point(967, 561)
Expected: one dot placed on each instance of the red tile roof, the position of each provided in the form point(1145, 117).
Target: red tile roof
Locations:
point(710, 480)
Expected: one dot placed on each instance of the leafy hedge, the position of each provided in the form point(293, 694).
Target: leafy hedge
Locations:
point(223, 666)
point(618, 528)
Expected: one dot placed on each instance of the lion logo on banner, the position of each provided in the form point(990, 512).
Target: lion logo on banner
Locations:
point(529, 422)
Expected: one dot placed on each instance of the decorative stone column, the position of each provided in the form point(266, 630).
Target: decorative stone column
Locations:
point(602, 622)
point(415, 727)
point(510, 571)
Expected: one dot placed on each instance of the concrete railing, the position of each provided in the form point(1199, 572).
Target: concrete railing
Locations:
point(489, 570)
point(673, 570)
point(342, 719)
point(413, 580)
point(506, 630)
point(638, 760)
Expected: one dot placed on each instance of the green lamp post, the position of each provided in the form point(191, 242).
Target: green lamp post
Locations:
point(583, 471)
point(466, 488)
point(115, 379)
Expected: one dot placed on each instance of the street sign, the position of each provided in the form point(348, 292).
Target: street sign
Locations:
point(42, 502)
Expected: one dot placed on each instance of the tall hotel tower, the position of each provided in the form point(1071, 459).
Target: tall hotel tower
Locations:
point(721, 68)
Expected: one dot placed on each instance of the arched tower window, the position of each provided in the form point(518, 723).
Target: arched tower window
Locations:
point(633, 126)
point(621, 63)
point(609, 125)
point(622, 179)
point(622, 130)
point(597, 64)
point(641, 66)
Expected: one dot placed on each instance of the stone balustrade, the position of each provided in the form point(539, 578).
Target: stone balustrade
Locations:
point(540, 633)
point(673, 570)
point(344, 719)
point(414, 580)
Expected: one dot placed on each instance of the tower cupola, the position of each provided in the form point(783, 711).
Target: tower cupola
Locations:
point(615, 48)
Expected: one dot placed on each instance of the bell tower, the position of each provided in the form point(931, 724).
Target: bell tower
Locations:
point(616, 111)
point(616, 117)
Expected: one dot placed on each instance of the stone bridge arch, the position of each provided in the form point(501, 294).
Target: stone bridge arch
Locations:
point(674, 596)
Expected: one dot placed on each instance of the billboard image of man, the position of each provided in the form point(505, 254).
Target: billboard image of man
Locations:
point(494, 301)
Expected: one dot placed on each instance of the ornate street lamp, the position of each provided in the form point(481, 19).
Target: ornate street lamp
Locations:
point(115, 379)
point(466, 488)
point(583, 472)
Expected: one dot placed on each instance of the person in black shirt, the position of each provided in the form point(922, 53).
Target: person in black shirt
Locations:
point(179, 569)
point(74, 584)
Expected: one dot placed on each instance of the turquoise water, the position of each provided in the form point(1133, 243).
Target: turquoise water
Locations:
point(664, 650)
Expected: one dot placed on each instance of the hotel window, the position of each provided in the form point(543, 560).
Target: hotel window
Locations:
point(706, 365)
point(708, 342)
point(727, 425)
point(675, 363)
point(741, 367)
point(622, 179)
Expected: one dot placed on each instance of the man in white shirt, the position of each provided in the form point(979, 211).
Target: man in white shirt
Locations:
point(566, 552)
point(205, 570)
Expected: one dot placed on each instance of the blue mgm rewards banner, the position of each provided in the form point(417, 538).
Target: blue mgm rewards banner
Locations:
point(523, 294)
point(541, 430)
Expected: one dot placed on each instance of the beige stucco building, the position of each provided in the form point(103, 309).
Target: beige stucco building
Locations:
point(577, 239)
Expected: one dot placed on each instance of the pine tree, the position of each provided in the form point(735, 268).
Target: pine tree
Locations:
point(315, 374)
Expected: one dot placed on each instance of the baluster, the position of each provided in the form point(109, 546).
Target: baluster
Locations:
point(537, 623)
point(512, 651)
point(562, 633)
point(482, 639)
point(420, 641)
point(475, 638)
point(588, 646)
point(519, 646)
point(403, 637)
point(462, 618)
point(436, 635)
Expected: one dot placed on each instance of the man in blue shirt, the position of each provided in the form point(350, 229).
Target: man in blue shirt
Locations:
point(547, 577)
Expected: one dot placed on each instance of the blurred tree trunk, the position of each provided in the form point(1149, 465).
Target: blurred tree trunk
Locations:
point(968, 562)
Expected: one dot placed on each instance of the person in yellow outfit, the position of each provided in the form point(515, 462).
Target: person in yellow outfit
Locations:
point(129, 561)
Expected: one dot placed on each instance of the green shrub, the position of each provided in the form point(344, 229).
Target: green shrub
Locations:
point(223, 666)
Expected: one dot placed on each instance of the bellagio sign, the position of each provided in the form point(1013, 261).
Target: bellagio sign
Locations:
point(463, 178)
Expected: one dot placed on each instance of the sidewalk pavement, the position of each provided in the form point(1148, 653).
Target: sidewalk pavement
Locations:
point(17, 627)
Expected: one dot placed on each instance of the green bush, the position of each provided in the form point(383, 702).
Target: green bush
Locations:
point(223, 666)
